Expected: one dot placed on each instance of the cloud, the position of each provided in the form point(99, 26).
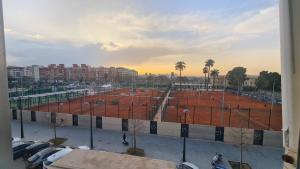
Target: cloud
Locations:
point(120, 33)
point(31, 51)
point(264, 21)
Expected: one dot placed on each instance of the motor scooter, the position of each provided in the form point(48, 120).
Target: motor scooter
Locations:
point(125, 143)
point(216, 160)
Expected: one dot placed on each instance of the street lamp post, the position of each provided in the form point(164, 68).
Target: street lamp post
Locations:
point(184, 135)
point(21, 108)
point(91, 127)
point(21, 117)
point(91, 124)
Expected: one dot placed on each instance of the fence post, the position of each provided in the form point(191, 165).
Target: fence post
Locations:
point(118, 109)
point(146, 111)
point(177, 112)
point(194, 114)
point(81, 105)
point(210, 115)
point(105, 107)
point(69, 106)
point(39, 100)
point(129, 109)
point(28, 103)
point(249, 117)
point(270, 119)
point(47, 102)
point(229, 117)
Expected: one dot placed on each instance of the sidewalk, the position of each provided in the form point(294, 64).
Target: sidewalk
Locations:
point(159, 147)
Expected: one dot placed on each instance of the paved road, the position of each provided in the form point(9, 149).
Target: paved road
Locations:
point(160, 147)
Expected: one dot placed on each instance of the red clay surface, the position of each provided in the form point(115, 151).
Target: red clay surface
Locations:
point(239, 111)
point(144, 104)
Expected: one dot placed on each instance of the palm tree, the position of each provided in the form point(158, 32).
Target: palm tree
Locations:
point(214, 73)
point(180, 66)
point(205, 71)
point(209, 63)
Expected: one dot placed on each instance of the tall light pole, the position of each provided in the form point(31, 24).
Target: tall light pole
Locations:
point(185, 111)
point(91, 126)
point(21, 108)
point(91, 123)
point(21, 117)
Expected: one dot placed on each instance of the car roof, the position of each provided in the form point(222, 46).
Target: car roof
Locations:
point(59, 154)
point(191, 165)
point(15, 144)
point(46, 151)
point(37, 144)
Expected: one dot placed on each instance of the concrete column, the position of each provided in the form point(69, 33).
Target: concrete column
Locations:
point(290, 62)
point(5, 131)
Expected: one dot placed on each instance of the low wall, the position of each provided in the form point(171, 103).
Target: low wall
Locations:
point(110, 123)
point(233, 135)
point(211, 133)
point(26, 115)
point(168, 129)
point(64, 119)
point(272, 138)
point(142, 126)
point(43, 117)
point(202, 132)
point(84, 121)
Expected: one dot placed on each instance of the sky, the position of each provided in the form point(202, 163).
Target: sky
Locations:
point(147, 35)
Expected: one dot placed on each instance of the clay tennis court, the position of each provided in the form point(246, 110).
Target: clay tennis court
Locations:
point(117, 103)
point(206, 108)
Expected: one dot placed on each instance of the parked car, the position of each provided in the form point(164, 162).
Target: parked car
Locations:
point(187, 165)
point(54, 157)
point(34, 148)
point(19, 149)
point(36, 161)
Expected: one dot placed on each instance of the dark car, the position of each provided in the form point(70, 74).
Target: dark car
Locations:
point(34, 148)
point(19, 149)
point(36, 161)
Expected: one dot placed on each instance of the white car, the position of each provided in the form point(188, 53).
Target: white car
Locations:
point(187, 165)
point(54, 157)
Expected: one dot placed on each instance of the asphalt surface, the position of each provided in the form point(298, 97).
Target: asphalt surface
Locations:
point(199, 152)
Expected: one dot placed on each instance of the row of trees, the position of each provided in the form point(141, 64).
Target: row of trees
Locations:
point(181, 65)
point(235, 77)
point(210, 73)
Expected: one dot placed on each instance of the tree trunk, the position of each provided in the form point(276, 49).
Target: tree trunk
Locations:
point(214, 83)
point(180, 79)
point(205, 80)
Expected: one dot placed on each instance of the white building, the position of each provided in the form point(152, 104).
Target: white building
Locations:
point(29, 71)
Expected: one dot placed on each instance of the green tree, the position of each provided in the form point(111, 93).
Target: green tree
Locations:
point(205, 71)
point(266, 80)
point(209, 63)
point(236, 77)
point(180, 66)
point(214, 74)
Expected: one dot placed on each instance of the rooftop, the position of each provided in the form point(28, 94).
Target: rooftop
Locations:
point(91, 159)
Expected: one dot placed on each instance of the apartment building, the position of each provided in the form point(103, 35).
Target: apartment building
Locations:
point(84, 72)
point(28, 72)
